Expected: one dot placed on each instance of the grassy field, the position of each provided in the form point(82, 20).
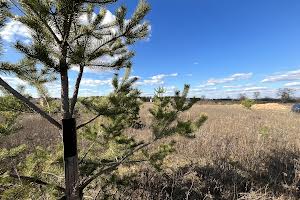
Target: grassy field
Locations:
point(237, 154)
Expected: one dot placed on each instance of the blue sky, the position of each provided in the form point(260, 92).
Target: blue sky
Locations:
point(221, 47)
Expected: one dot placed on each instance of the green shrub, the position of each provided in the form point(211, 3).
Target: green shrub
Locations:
point(264, 131)
point(248, 103)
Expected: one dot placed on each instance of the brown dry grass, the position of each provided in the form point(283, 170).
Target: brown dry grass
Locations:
point(237, 154)
point(271, 106)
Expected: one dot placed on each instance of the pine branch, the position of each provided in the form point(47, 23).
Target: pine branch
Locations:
point(103, 66)
point(107, 112)
point(89, 121)
point(86, 153)
point(29, 103)
point(115, 165)
point(76, 90)
point(8, 68)
point(15, 4)
point(56, 23)
point(100, 1)
point(67, 27)
point(38, 52)
point(107, 42)
point(48, 27)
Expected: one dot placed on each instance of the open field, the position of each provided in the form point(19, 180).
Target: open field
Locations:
point(237, 154)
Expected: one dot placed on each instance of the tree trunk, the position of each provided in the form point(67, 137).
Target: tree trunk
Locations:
point(69, 140)
point(65, 94)
point(70, 159)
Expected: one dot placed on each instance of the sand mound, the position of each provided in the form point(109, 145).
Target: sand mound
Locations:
point(270, 106)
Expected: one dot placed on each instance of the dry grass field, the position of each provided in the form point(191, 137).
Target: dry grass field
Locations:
point(237, 154)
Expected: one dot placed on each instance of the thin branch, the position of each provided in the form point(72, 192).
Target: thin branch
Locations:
point(48, 27)
point(76, 90)
point(89, 180)
point(67, 27)
point(15, 4)
point(98, 65)
point(86, 123)
point(86, 153)
point(37, 181)
point(100, 2)
point(100, 113)
point(55, 22)
point(29, 103)
point(107, 42)
point(112, 167)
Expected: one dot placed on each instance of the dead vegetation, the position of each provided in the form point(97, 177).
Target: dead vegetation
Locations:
point(271, 106)
point(237, 154)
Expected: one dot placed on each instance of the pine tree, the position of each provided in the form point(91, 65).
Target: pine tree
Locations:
point(107, 146)
point(60, 40)
point(10, 109)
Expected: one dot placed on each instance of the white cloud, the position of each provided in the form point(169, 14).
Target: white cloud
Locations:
point(233, 86)
point(161, 76)
point(196, 63)
point(233, 92)
point(95, 82)
point(156, 80)
point(108, 18)
point(170, 90)
point(13, 80)
point(54, 89)
point(138, 77)
point(286, 76)
point(106, 59)
point(234, 77)
point(96, 69)
point(14, 30)
point(83, 19)
point(247, 89)
point(203, 89)
point(241, 76)
point(291, 84)
point(89, 70)
point(254, 89)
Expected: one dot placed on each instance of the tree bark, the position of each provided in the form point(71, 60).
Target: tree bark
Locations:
point(76, 90)
point(69, 141)
point(65, 93)
point(70, 159)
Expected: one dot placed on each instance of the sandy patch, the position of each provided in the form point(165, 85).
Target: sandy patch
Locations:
point(270, 106)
